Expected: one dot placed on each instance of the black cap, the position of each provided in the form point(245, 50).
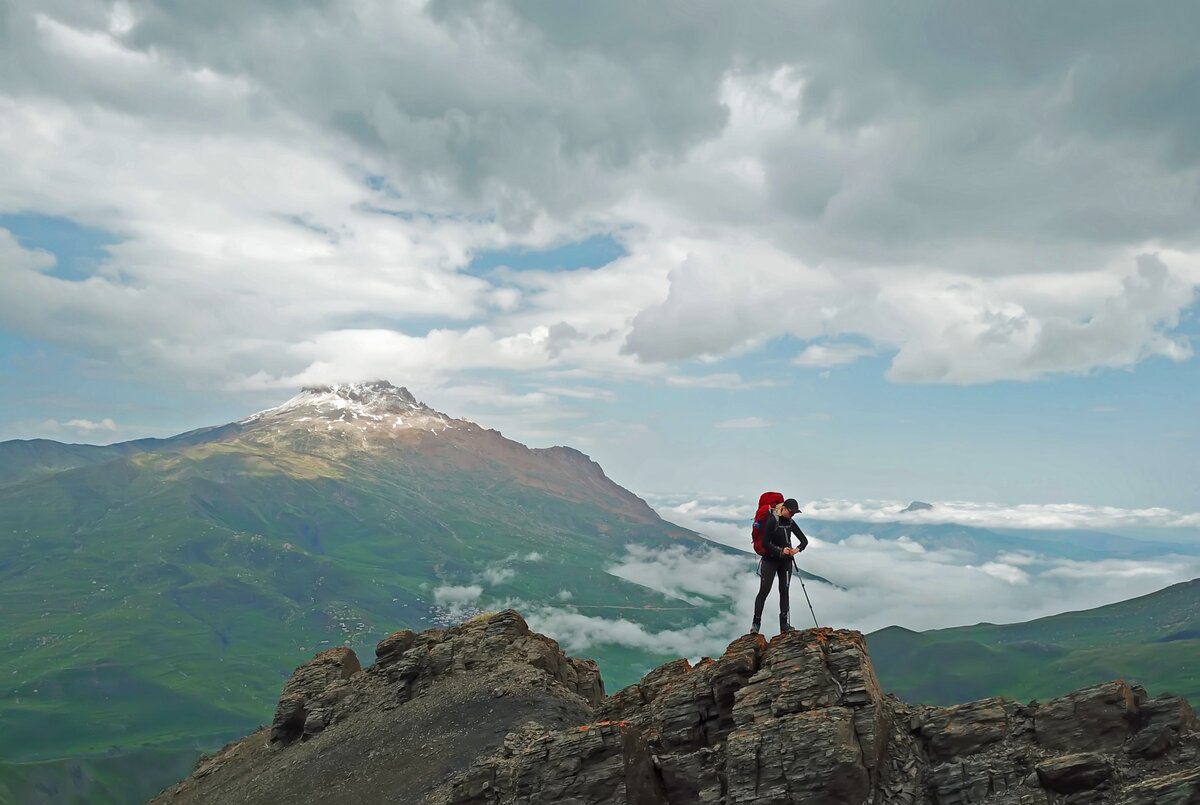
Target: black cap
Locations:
point(791, 505)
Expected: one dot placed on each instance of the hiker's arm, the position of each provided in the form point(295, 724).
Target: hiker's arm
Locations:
point(800, 536)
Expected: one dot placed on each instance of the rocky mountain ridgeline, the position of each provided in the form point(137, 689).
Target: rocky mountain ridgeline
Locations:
point(490, 713)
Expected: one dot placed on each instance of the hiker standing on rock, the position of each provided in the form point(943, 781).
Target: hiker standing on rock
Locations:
point(773, 529)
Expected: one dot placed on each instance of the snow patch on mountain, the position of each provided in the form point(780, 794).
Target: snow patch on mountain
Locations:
point(377, 403)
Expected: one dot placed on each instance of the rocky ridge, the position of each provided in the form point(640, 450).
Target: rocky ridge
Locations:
point(490, 713)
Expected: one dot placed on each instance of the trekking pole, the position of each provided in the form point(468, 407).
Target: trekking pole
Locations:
point(806, 598)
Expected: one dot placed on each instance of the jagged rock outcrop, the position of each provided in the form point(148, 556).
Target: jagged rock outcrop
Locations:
point(399, 729)
point(489, 713)
point(318, 681)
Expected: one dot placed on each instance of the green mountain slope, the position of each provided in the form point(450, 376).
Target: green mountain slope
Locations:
point(130, 776)
point(157, 600)
point(23, 459)
point(1154, 640)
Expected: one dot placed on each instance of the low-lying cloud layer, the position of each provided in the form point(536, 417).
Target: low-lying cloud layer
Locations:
point(879, 583)
point(875, 582)
point(697, 513)
point(578, 633)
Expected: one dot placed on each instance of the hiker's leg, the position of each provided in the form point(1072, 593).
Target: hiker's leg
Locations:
point(785, 579)
point(764, 587)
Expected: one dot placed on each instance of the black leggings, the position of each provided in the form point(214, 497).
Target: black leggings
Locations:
point(772, 568)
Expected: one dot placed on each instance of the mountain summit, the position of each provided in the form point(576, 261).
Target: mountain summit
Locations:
point(377, 401)
point(357, 411)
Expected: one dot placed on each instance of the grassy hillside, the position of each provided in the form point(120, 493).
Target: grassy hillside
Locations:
point(156, 602)
point(1154, 640)
point(131, 776)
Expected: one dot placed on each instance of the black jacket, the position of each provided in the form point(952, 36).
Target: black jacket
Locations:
point(777, 535)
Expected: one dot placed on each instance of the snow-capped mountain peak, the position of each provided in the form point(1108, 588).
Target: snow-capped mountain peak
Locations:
point(377, 404)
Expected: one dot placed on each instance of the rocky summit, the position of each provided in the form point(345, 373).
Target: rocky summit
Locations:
point(490, 713)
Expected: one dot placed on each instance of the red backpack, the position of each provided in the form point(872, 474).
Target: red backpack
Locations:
point(766, 501)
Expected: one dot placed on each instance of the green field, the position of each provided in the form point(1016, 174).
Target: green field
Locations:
point(1153, 640)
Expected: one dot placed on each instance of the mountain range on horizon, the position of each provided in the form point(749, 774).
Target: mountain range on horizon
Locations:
point(161, 590)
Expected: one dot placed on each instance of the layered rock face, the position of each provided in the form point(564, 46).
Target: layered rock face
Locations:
point(488, 713)
point(400, 729)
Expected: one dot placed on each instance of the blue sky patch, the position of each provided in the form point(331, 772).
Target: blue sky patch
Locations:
point(78, 249)
point(593, 252)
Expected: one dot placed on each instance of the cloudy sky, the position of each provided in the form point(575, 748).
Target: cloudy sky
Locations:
point(851, 250)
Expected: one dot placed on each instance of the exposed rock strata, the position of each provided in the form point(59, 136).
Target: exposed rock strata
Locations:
point(488, 713)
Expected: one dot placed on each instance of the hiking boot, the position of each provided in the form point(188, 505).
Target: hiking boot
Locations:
point(784, 626)
point(755, 627)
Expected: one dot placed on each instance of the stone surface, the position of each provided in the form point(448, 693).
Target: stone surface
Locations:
point(1099, 717)
point(1179, 788)
point(1152, 742)
point(393, 646)
point(298, 713)
point(489, 713)
point(965, 729)
point(1067, 774)
point(1167, 711)
point(811, 756)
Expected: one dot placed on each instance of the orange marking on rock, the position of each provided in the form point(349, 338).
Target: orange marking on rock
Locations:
point(586, 727)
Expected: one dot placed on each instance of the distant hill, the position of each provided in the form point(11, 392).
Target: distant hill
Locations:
point(1154, 640)
point(156, 594)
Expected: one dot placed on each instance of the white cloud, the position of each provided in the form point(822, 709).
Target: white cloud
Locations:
point(459, 601)
point(824, 187)
point(825, 355)
point(581, 393)
point(691, 576)
point(709, 511)
point(994, 515)
point(886, 584)
point(1005, 572)
point(578, 633)
point(880, 583)
point(726, 381)
point(77, 428)
point(495, 574)
point(451, 595)
point(88, 426)
point(744, 422)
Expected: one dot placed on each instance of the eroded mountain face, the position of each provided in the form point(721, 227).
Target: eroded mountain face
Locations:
point(489, 712)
